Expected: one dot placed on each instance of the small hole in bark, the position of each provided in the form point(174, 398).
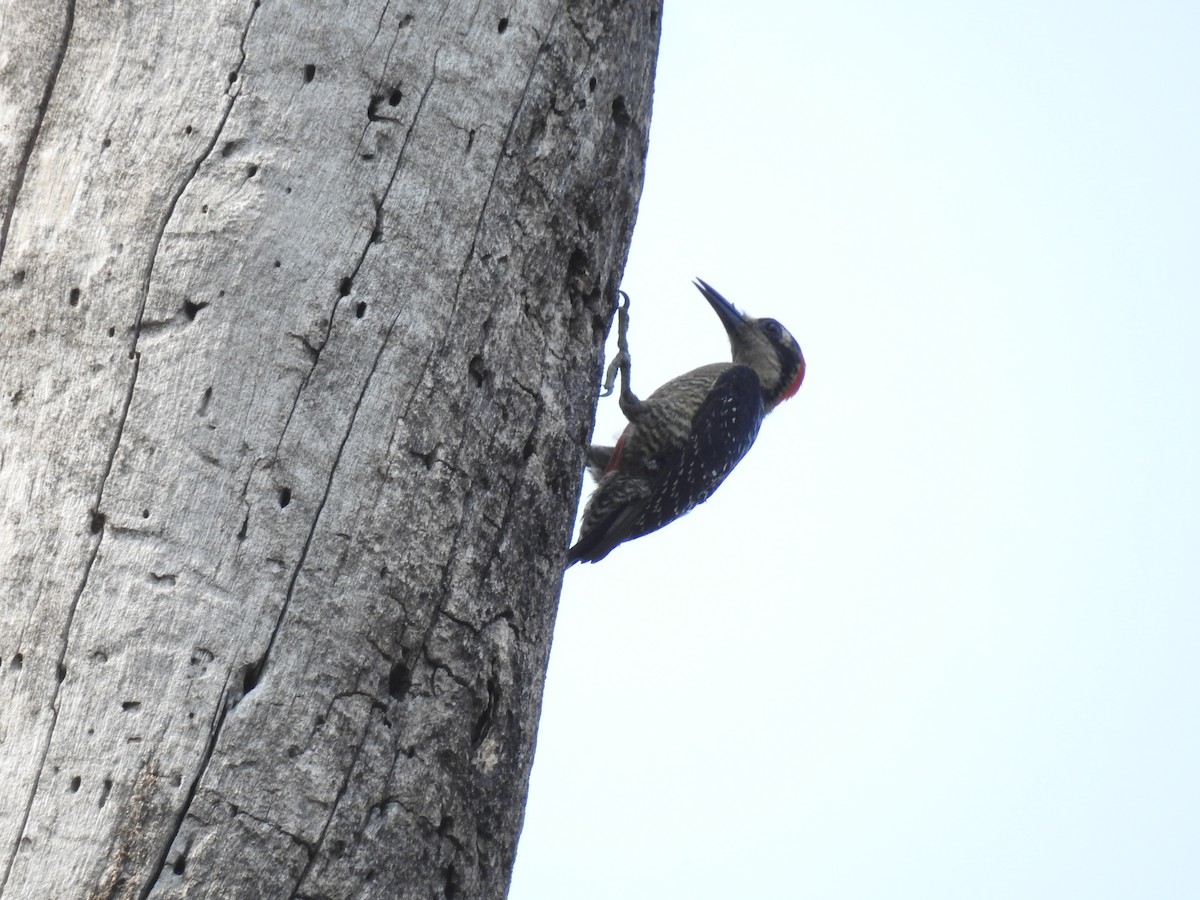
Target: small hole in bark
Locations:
point(373, 107)
point(620, 114)
point(61, 673)
point(477, 371)
point(399, 680)
point(75, 783)
point(112, 330)
point(180, 863)
point(188, 130)
point(383, 571)
point(191, 310)
point(232, 77)
point(360, 309)
point(73, 299)
point(145, 513)
point(345, 285)
point(251, 171)
point(285, 497)
point(592, 84)
point(310, 72)
point(502, 25)
point(105, 790)
point(131, 705)
point(106, 143)
point(18, 660)
point(395, 97)
point(376, 235)
point(19, 276)
point(241, 535)
point(277, 264)
point(228, 148)
point(470, 140)
point(483, 725)
point(96, 525)
point(250, 676)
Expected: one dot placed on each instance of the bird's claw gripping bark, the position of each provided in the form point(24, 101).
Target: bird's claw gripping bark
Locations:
point(621, 361)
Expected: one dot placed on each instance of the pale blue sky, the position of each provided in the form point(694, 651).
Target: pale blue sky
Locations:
point(939, 634)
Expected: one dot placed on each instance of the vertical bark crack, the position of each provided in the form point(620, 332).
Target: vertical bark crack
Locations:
point(27, 154)
point(135, 356)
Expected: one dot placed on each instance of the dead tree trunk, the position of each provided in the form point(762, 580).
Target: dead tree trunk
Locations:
point(301, 310)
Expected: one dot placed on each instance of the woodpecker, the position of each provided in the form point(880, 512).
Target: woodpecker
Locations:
point(685, 438)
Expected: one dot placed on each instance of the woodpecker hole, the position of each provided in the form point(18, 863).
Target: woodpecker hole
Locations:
point(73, 299)
point(112, 330)
point(191, 310)
point(105, 790)
point(592, 85)
point(228, 148)
point(251, 170)
point(483, 725)
point(188, 130)
point(502, 25)
point(145, 513)
point(17, 661)
point(285, 497)
point(96, 525)
point(241, 535)
point(61, 673)
point(373, 107)
point(360, 309)
point(130, 705)
point(180, 863)
point(277, 264)
point(75, 783)
point(395, 96)
point(477, 371)
point(310, 72)
point(232, 77)
point(399, 680)
point(620, 115)
point(251, 675)
point(345, 285)
point(106, 143)
point(19, 277)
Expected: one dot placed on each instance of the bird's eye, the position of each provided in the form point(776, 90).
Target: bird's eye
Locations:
point(774, 329)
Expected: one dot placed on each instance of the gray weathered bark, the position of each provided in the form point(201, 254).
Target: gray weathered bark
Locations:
point(301, 311)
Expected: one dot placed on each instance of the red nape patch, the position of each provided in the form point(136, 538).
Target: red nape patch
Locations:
point(794, 386)
point(615, 459)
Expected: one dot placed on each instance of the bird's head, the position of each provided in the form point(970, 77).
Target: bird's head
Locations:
point(762, 344)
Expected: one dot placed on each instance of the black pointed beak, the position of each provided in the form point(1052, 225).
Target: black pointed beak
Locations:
point(733, 320)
